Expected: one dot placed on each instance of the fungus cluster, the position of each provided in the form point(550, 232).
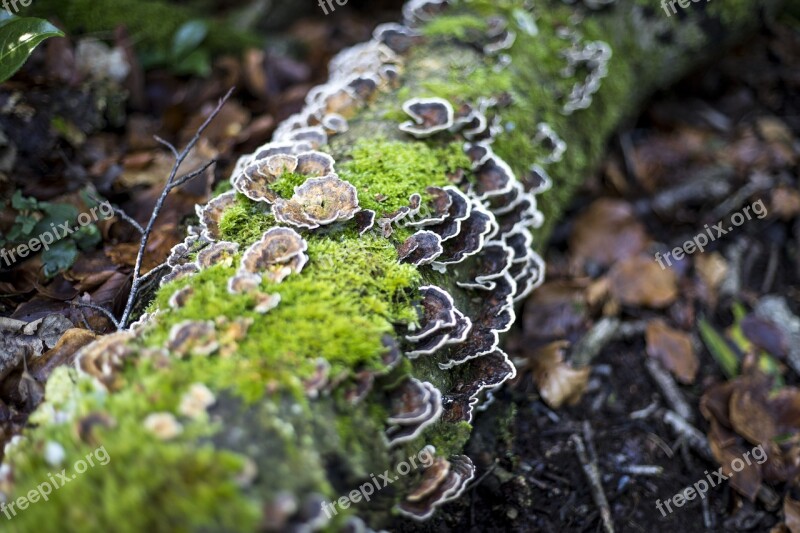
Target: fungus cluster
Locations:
point(589, 56)
point(443, 481)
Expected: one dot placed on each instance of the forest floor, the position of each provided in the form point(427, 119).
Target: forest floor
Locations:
point(661, 375)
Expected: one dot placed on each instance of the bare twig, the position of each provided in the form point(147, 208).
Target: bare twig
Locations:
point(180, 157)
point(669, 389)
point(102, 310)
point(121, 214)
point(592, 472)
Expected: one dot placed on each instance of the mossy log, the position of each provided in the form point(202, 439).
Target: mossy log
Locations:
point(237, 427)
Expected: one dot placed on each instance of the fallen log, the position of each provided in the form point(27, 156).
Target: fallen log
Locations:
point(317, 351)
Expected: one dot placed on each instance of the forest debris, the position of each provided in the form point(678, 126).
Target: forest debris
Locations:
point(673, 349)
point(638, 281)
point(591, 344)
point(776, 310)
point(791, 513)
point(558, 382)
point(592, 472)
point(607, 232)
point(669, 389)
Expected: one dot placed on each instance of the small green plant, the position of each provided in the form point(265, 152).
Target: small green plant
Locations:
point(35, 219)
point(19, 36)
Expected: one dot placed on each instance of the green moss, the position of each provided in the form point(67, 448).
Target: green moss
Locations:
point(191, 484)
point(386, 172)
point(455, 26)
point(285, 185)
point(351, 293)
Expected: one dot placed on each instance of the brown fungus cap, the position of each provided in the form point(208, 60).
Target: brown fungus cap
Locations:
point(217, 253)
point(319, 202)
point(430, 116)
point(408, 429)
point(104, 358)
point(277, 246)
point(460, 473)
point(422, 248)
point(210, 215)
point(193, 337)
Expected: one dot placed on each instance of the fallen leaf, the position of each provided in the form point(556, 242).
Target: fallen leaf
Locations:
point(61, 354)
point(638, 281)
point(791, 514)
point(712, 269)
point(557, 381)
point(605, 233)
point(785, 202)
point(673, 349)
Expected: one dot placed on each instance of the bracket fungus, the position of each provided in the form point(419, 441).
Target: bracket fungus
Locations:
point(430, 116)
point(279, 253)
point(318, 202)
point(422, 248)
point(193, 337)
point(104, 358)
point(217, 253)
point(458, 472)
point(415, 406)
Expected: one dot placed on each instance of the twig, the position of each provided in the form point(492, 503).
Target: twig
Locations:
point(153, 272)
point(772, 268)
point(693, 437)
point(669, 389)
point(183, 179)
point(592, 473)
point(594, 341)
point(180, 157)
point(105, 312)
point(121, 214)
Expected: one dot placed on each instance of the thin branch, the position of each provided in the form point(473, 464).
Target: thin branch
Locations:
point(153, 272)
point(188, 177)
point(121, 214)
point(105, 312)
point(170, 184)
point(169, 145)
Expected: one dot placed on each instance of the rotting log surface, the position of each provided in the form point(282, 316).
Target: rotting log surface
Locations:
point(252, 458)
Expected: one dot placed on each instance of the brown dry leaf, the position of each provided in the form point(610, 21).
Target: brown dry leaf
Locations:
point(731, 457)
point(673, 349)
point(556, 310)
point(712, 269)
point(61, 354)
point(785, 202)
point(557, 381)
point(639, 281)
point(791, 514)
point(607, 232)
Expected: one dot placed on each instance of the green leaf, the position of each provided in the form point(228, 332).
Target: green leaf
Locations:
point(60, 256)
point(198, 63)
point(18, 38)
point(20, 203)
point(55, 215)
point(23, 225)
point(87, 237)
point(188, 38)
point(719, 348)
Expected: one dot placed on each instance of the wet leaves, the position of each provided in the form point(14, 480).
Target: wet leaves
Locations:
point(557, 381)
point(673, 349)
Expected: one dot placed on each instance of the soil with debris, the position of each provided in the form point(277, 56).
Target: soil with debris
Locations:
point(658, 375)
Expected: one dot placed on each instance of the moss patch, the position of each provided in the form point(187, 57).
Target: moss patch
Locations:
point(386, 172)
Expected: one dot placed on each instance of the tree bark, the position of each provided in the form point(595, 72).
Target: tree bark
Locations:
point(252, 459)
